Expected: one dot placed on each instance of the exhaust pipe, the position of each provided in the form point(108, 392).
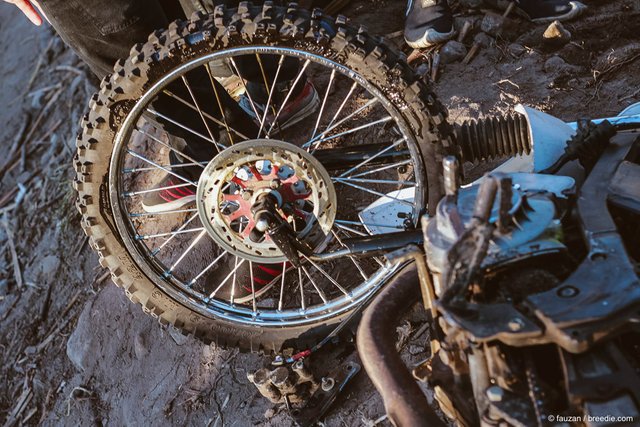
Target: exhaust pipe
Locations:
point(405, 403)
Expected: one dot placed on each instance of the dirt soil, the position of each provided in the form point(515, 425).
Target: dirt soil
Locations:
point(75, 351)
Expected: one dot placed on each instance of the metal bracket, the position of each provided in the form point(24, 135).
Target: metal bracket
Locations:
point(320, 402)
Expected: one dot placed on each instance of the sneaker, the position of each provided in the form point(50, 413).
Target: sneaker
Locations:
point(169, 194)
point(297, 109)
point(265, 276)
point(544, 11)
point(428, 22)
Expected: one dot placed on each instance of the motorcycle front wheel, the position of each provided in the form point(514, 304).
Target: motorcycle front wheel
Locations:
point(366, 134)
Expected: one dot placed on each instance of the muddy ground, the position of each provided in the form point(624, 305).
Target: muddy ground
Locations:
point(75, 351)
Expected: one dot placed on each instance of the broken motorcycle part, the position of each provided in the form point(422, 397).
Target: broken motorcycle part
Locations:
point(320, 402)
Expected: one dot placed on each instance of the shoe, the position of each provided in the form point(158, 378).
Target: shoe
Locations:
point(265, 276)
point(169, 194)
point(428, 22)
point(297, 109)
point(544, 11)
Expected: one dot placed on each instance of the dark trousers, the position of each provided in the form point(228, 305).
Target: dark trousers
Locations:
point(101, 32)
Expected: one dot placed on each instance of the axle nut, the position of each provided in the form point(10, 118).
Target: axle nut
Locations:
point(262, 225)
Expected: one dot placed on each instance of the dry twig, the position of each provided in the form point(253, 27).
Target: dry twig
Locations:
point(17, 273)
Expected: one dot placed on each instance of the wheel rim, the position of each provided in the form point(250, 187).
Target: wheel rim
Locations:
point(312, 306)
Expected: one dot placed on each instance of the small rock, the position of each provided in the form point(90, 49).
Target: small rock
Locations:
point(139, 347)
point(516, 49)
point(177, 336)
point(81, 345)
point(556, 65)
point(416, 349)
point(553, 64)
point(269, 413)
point(483, 40)
point(556, 34)
point(452, 51)
point(499, 26)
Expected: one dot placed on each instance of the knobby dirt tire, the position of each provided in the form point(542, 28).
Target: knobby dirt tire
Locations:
point(247, 25)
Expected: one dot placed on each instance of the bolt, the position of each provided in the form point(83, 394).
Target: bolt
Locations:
point(516, 324)
point(262, 224)
point(275, 184)
point(567, 292)
point(327, 383)
point(246, 195)
point(495, 393)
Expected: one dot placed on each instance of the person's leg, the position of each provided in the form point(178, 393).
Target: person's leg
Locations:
point(542, 11)
point(102, 32)
point(428, 22)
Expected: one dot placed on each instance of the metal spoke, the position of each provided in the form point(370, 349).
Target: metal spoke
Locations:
point(166, 242)
point(220, 107)
point(253, 288)
point(302, 301)
point(352, 130)
point(335, 116)
point(286, 98)
point(227, 278)
point(188, 129)
point(345, 230)
point(151, 162)
point(152, 190)
point(324, 102)
point(170, 233)
point(356, 232)
point(375, 181)
point(377, 193)
point(369, 224)
point(139, 214)
point(269, 91)
point(380, 169)
point(180, 165)
point(362, 273)
point(315, 286)
point(233, 282)
point(195, 102)
point(331, 279)
point(378, 154)
point(186, 252)
point(207, 115)
point(214, 262)
point(333, 126)
point(164, 144)
point(246, 91)
point(284, 270)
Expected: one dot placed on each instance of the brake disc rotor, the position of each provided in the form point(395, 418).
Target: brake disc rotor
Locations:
point(236, 178)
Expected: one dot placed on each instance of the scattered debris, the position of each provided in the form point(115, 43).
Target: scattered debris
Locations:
point(452, 51)
point(556, 35)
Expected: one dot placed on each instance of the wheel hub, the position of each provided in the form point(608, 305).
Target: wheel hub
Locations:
point(240, 175)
